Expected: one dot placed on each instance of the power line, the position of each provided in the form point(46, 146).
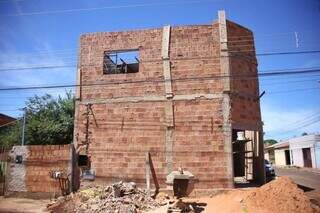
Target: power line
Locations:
point(61, 51)
point(303, 121)
point(50, 12)
point(294, 90)
point(269, 93)
point(277, 53)
point(306, 120)
point(145, 61)
point(289, 82)
point(262, 82)
point(38, 67)
point(75, 51)
point(276, 34)
point(161, 80)
point(273, 73)
point(313, 121)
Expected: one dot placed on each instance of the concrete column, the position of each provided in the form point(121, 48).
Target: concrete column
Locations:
point(226, 101)
point(169, 115)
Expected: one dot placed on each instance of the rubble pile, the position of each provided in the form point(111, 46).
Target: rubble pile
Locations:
point(120, 197)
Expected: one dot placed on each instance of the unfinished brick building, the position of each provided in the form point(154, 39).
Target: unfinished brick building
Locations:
point(179, 93)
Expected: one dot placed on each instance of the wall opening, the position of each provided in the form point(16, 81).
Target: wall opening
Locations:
point(307, 157)
point(121, 62)
point(83, 161)
point(287, 155)
point(248, 166)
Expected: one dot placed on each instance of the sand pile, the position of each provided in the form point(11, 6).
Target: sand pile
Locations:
point(281, 195)
point(119, 197)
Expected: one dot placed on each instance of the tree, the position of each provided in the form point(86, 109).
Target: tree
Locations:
point(49, 120)
point(304, 133)
point(10, 135)
point(270, 141)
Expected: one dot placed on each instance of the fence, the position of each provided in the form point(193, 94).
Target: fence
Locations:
point(4, 158)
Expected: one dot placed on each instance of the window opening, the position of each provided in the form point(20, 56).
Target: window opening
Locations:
point(121, 62)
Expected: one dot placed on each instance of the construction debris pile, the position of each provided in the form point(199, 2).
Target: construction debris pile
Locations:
point(281, 195)
point(120, 197)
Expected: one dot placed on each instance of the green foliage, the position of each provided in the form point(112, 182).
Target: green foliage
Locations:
point(270, 141)
point(48, 121)
point(10, 135)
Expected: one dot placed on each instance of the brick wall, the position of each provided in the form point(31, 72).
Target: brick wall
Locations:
point(245, 104)
point(32, 175)
point(129, 115)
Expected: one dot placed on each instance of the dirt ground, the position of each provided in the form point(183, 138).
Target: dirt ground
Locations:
point(279, 196)
point(22, 205)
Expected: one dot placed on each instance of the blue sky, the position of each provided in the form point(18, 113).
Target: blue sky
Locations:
point(29, 37)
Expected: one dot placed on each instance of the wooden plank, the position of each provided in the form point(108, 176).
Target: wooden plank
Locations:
point(148, 172)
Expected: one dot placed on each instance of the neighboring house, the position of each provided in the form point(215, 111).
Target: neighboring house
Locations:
point(278, 154)
point(5, 119)
point(303, 151)
point(181, 94)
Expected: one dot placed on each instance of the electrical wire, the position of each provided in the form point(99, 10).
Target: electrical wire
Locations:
point(145, 61)
point(273, 73)
point(50, 12)
point(316, 120)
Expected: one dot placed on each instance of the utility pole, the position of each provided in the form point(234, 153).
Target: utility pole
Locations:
point(23, 126)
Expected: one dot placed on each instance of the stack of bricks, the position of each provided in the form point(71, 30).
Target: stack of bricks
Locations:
point(128, 115)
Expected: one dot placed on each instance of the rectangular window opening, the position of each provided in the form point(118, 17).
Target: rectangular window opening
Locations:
point(83, 160)
point(121, 62)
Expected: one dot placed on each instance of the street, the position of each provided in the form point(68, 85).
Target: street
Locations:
point(306, 179)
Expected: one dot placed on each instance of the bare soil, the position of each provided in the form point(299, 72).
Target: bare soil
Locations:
point(279, 196)
point(22, 205)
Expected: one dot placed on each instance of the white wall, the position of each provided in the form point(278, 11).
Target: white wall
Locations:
point(317, 154)
point(280, 157)
point(308, 141)
point(266, 156)
point(297, 157)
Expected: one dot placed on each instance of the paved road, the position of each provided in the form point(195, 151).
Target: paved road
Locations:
point(301, 177)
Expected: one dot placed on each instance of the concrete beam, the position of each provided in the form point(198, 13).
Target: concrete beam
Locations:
point(246, 126)
point(152, 98)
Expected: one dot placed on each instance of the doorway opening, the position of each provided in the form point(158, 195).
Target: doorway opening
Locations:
point(287, 156)
point(307, 157)
point(248, 165)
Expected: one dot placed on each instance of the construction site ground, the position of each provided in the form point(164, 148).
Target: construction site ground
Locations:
point(22, 205)
point(282, 195)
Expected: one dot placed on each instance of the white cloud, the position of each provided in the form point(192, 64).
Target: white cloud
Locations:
point(34, 77)
point(10, 58)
